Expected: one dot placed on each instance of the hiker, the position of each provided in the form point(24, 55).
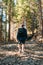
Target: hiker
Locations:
point(21, 37)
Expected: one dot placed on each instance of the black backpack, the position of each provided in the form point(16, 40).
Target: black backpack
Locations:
point(22, 33)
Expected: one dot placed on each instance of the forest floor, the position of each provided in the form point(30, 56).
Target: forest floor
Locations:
point(33, 54)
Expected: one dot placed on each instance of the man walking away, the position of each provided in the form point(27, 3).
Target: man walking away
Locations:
point(21, 37)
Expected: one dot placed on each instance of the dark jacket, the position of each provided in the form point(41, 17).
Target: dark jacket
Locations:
point(22, 35)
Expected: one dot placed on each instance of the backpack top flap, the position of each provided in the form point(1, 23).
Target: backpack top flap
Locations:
point(21, 32)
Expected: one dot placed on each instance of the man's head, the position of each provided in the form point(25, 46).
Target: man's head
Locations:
point(22, 26)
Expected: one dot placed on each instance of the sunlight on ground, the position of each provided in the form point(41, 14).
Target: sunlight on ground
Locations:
point(28, 51)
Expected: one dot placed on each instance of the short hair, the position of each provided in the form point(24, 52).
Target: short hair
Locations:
point(22, 25)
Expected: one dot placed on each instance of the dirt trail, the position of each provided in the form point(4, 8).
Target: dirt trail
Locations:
point(33, 54)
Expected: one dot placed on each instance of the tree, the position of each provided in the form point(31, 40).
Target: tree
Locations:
point(10, 11)
point(23, 8)
point(40, 2)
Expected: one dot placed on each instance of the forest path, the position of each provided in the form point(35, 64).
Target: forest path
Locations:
point(33, 54)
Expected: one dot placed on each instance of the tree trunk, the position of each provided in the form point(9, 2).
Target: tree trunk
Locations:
point(41, 15)
point(9, 12)
point(0, 29)
point(42, 27)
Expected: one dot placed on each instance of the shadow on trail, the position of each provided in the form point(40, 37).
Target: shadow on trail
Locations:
point(20, 60)
point(32, 56)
